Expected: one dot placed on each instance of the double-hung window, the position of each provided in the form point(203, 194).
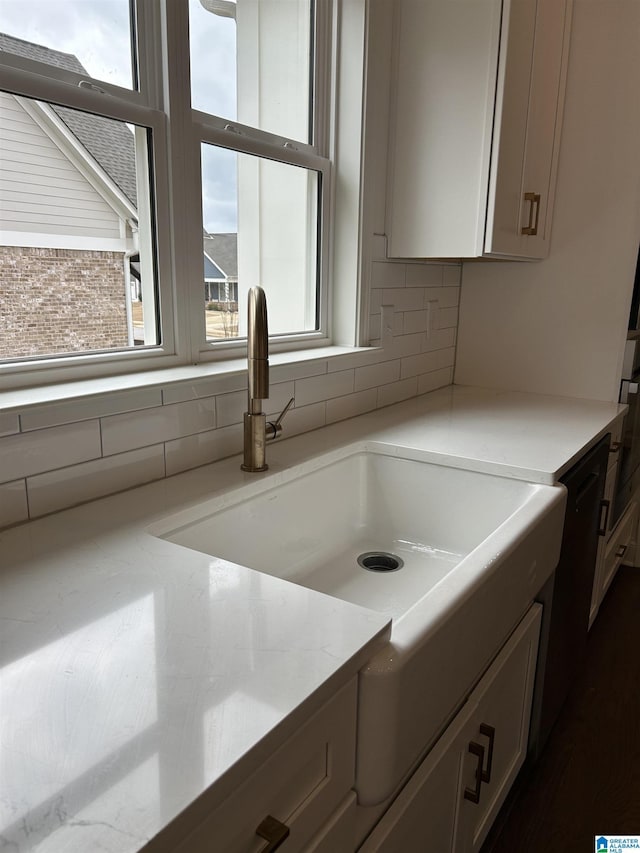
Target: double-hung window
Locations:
point(157, 159)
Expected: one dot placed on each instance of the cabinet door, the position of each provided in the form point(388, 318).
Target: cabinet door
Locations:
point(423, 815)
point(528, 119)
point(497, 734)
point(443, 89)
point(619, 547)
point(436, 809)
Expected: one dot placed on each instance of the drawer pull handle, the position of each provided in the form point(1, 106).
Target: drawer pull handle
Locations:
point(490, 732)
point(621, 551)
point(604, 505)
point(615, 447)
point(534, 200)
point(473, 794)
point(274, 833)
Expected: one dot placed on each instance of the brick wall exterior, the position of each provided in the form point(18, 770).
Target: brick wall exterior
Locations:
point(60, 300)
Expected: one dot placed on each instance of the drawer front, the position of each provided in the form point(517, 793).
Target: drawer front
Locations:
point(498, 734)
point(301, 785)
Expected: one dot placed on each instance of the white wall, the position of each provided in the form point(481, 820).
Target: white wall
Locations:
point(558, 326)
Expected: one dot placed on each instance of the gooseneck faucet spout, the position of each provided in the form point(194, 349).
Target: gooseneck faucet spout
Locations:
point(256, 430)
point(257, 349)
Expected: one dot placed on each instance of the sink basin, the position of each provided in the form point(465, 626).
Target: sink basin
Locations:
point(457, 557)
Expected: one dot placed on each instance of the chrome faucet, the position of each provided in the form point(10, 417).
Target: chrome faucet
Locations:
point(256, 429)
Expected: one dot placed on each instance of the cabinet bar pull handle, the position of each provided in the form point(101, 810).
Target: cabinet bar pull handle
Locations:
point(604, 505)
point(534, 201)
point(471, 793)
point(621, 550)
point(615, 447)
point(490, 732)
point(274, 833)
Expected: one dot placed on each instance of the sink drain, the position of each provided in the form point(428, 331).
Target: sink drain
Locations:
point(380, 561)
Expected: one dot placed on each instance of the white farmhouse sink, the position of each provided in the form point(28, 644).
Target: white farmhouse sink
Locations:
point(475, 549)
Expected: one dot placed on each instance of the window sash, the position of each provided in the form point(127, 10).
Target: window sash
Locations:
point(162, 104)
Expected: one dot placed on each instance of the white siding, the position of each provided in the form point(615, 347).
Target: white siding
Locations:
point(41, 191)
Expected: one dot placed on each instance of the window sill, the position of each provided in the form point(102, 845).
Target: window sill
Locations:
point(186, 382)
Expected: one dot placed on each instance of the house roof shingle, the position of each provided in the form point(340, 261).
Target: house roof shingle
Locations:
point(222, 249)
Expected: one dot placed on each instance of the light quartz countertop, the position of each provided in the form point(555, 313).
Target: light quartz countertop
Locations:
point(140, 678)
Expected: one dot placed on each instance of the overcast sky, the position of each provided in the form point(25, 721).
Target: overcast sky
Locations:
point(97, 32)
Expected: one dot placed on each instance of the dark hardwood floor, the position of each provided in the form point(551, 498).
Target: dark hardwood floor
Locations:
point(587, 780)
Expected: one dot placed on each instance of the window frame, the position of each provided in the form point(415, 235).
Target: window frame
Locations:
point(162, 103)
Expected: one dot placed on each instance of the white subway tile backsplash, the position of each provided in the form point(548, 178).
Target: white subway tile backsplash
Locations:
point(424, 275)
point(209, 387)
point(447, 318)
point(231, 407)
point(89, 408)
point(414, 365)
point(403, 345)
point(139, 429)
point(317, 388)
point(65, 455)
point(439, 339)
point(304, 419)
point(370, 355)
point(341, 408)
point(376, 374)
point(397, 391)
point(387, 275)
point(9, 423)
point(446, 357)
point(185, 453)
point(288, 372)
point(407, 299)
point(13, 503)
point(436, 379)
point(415, 321)
point(80, 483)
point(446, 297)
point(43, 450)
point(452, 275)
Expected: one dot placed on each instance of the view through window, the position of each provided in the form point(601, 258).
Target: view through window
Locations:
point(78, 254)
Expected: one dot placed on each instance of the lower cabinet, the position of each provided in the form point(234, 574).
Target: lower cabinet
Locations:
point(301, 794)
point(450, 802)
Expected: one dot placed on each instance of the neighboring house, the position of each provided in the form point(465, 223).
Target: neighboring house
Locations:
point(221, 267)
point(67, 222)
point(69, 241)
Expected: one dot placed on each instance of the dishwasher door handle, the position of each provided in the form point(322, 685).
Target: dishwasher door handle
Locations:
point(604, 506)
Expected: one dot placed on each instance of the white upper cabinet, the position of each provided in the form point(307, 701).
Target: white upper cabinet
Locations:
point(477, 95)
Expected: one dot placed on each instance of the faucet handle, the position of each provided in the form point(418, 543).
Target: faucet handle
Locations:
point(274, 429)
